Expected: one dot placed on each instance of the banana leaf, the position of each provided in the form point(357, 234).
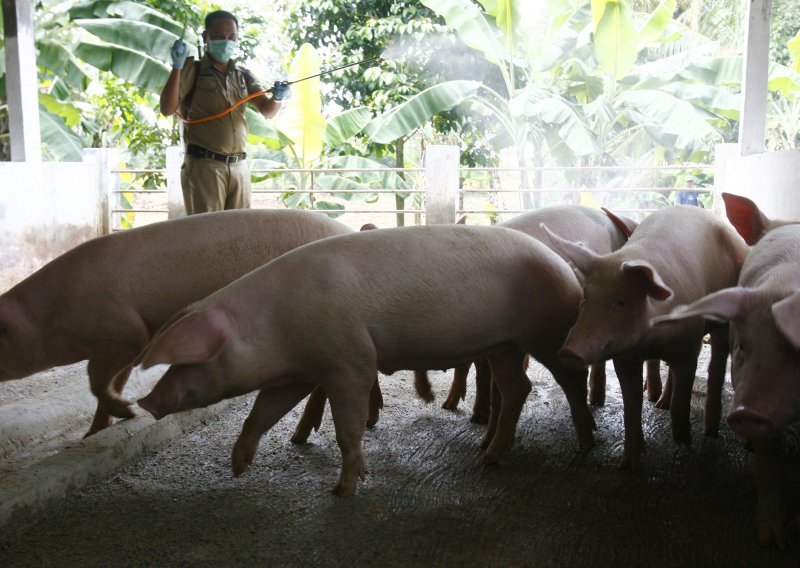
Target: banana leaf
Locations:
point(668, 113)
point(302, 119)
point(345, 125)
point(615, 36)
point(415, 112)
point(132, 11)
point(471, 25)
point(137, 36)
point(59, 142)
point(262, 131)
point(141, 70)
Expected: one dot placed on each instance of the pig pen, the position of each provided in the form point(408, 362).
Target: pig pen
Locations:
point(426, 501)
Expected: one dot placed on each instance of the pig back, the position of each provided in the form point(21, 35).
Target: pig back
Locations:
point(157, 269)
point(774, 261)
point(693, 251)
point(426, 297)
point(576, 223)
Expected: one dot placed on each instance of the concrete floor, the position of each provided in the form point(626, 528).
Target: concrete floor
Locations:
point(426, 500)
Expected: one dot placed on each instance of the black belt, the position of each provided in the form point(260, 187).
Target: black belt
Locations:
point(200, 152)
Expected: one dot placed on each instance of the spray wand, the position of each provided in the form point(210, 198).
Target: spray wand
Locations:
point(259, 93)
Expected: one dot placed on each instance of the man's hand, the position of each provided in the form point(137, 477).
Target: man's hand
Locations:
point(280, 90)
point(178, 53)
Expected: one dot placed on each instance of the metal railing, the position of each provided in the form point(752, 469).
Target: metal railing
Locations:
point(487, 195)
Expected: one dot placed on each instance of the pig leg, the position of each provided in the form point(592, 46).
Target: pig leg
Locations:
point(312, 416)
point(423, 386)
point(653, 379)
point(483, 392)
point(597, 384)
point(665, 399)
point(375, 403)
point(514, 386)
point(629, 373)
point(573, 383)
point(769, 511)
point(103, 371)
point(720, 349)
point(683, 372)
point(102, 419)
point(270, 406)
point(349, 406)
point(458, 388)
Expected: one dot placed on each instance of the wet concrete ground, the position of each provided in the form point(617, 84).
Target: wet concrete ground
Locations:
point(426, 501)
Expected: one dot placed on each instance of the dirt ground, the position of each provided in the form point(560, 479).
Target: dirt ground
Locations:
point(426, 501)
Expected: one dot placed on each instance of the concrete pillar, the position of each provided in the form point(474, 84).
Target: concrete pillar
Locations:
point(22, 82)
point(175, 204)
point(755, 71)
point(106, 160)
point(441, 184)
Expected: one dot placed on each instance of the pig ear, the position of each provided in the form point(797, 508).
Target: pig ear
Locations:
point(624, 224)
point(656, 287)
point(462, 221)
point(787, 318)
point(581, 257)
point(193, 338)
point(723, 305)
point(368, 227)
point(746, 217)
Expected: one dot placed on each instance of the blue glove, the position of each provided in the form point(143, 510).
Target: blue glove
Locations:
point(178, 53)
point(280, 90)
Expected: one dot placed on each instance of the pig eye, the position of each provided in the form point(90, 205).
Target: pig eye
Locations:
point(619, 303)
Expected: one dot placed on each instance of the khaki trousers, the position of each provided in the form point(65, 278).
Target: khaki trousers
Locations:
point(209, 185)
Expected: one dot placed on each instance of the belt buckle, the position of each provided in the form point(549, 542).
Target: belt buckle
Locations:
point(232, 159)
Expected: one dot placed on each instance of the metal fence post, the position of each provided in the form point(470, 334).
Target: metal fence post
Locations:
point(441, 184)
point(175, 206)
point(106, 160)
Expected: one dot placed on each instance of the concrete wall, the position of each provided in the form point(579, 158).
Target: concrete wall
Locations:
point(46, 209)
point(770, 179)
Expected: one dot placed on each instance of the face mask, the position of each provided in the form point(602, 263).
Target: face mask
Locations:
point(221, 49)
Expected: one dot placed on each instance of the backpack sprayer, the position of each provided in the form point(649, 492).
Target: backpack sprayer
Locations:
point(259, 93)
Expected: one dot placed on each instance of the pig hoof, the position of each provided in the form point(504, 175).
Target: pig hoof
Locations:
point(101, 422)
point(118, 407)
point(477, 418)
point(242, 457)
point(342, 490)
point(597, 400)
point(662, 403)
point(299, 438)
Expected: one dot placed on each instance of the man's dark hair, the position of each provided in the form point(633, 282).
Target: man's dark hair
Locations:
point(220, 15)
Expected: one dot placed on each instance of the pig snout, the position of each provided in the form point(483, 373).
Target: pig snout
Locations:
point(750, 424)
point(571, 358)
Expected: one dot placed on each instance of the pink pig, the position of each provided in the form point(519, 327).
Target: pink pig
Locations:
point(764, 315)
point(675, 256)
point(103, 300)
point(592, 228)
point(336, 312)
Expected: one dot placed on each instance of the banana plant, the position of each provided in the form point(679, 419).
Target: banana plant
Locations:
point(585, 90)
point(312, 141)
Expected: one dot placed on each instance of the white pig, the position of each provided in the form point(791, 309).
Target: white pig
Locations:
point(338, 311)
point(103, 300)
point(764, 315)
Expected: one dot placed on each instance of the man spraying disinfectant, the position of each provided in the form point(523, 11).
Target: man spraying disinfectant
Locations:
point(208, 95)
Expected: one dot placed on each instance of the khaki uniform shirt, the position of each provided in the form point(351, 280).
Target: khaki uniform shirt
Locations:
point(214, 92)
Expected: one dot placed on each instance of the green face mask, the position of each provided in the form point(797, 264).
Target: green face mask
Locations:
point(221, 49)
